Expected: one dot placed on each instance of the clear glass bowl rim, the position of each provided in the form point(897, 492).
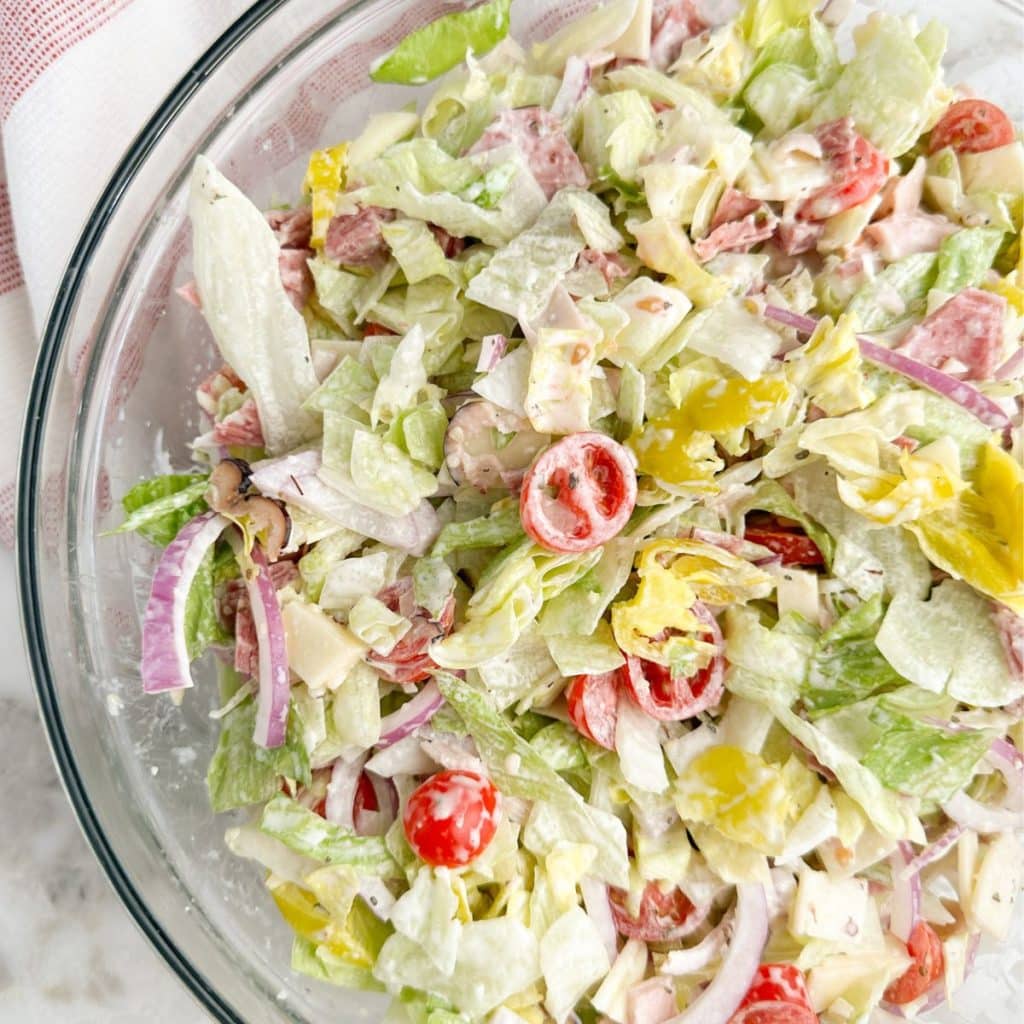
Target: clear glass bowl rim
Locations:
point(47, 366)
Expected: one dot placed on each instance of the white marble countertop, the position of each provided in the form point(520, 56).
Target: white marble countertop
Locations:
point(69, 952)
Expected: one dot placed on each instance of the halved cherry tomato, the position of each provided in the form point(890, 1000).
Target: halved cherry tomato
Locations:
point(672, 698)
point(578, 493)
point(408, 661)
point(593, 706)
point(662, 917)
point(858, 171)
point(972, 126)
point(778, 983)
point(928, 966)
point(794, 548)
point(451, 819)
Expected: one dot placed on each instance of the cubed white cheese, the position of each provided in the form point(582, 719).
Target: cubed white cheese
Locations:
point(321, 652)
point(828, 908)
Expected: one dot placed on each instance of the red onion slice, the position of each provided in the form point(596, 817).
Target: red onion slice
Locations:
point(411, 715)
point(720, 1000)
point(1013, 367)
point(341, 791)
point(575, 82)
point(274, 692)
point(492, 348)
point(906, 893)
point(165, 660)
point(969, 813)
point(963, 394)
point(936, 851)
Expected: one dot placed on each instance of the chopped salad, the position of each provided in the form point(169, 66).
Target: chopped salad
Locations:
point(609, 525)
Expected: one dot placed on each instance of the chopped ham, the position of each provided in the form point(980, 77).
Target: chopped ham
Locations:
point(292, 228)
point(738, 236)
point(611, 264)
point(296, 276)
point(904, 234)
point(795, 238)
point(903, 194)
point(242, 427)
point(968, 328)
point(672, 23)
point(355, 239)
point(540, 137)
point(734, 205)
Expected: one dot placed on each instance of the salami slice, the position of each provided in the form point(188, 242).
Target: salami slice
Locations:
point(967, 329)
point(540, 137)
point(354, 239)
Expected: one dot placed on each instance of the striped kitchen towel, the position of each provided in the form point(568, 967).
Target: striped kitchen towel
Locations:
point(66, 118)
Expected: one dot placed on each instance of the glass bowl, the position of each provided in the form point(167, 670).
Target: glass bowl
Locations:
point(112, 403)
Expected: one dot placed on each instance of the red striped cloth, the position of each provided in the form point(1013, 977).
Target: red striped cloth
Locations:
point(61, 62)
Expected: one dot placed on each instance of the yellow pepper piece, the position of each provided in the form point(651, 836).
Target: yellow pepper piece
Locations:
point(930, 481)
point(1013, 294)
point(673, 574)
point(664, 248)
point(739, 794)
point(828, 367)
point(980, 538)
point(678, 448)
point(325, 176)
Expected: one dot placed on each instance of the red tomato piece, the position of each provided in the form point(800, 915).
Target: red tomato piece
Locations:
point(662, 917)
point(408, 661)
point(774, 1013)
point(672, 698)
point(858, 171)
point(778, 983)
point(972, 126)
point(794, 548)
point(578, 493)
point(372, 329)
point(594, 706)
point(928, 966)
point(451, 819)
point(366, 798)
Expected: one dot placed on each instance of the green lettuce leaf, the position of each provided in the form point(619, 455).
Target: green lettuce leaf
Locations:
point(307, 833)
point(847, 666)
point(890, 87)
point(761, 20)
point(435, 48)
point(317, 961)
point(203, 627)
point(499, 527)
point(965, 257)
point(159, 507)
point(243, 773)
point(911, 279)
point(924, 760)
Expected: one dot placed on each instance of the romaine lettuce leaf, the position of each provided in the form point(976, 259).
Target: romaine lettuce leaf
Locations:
point(307, 833)
point(847, 666)
point(965, 258)
point(317, 562)
point(949, 644)
point(924, 760)
point(533, 779)
point(890, 88)
point(499, 527)
point(242, 773)
point(160, 506)
point(733, 335)
point(521, 278)
point(582, 654)
point(437, 47)
point(257, 329)
point(475, 985)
